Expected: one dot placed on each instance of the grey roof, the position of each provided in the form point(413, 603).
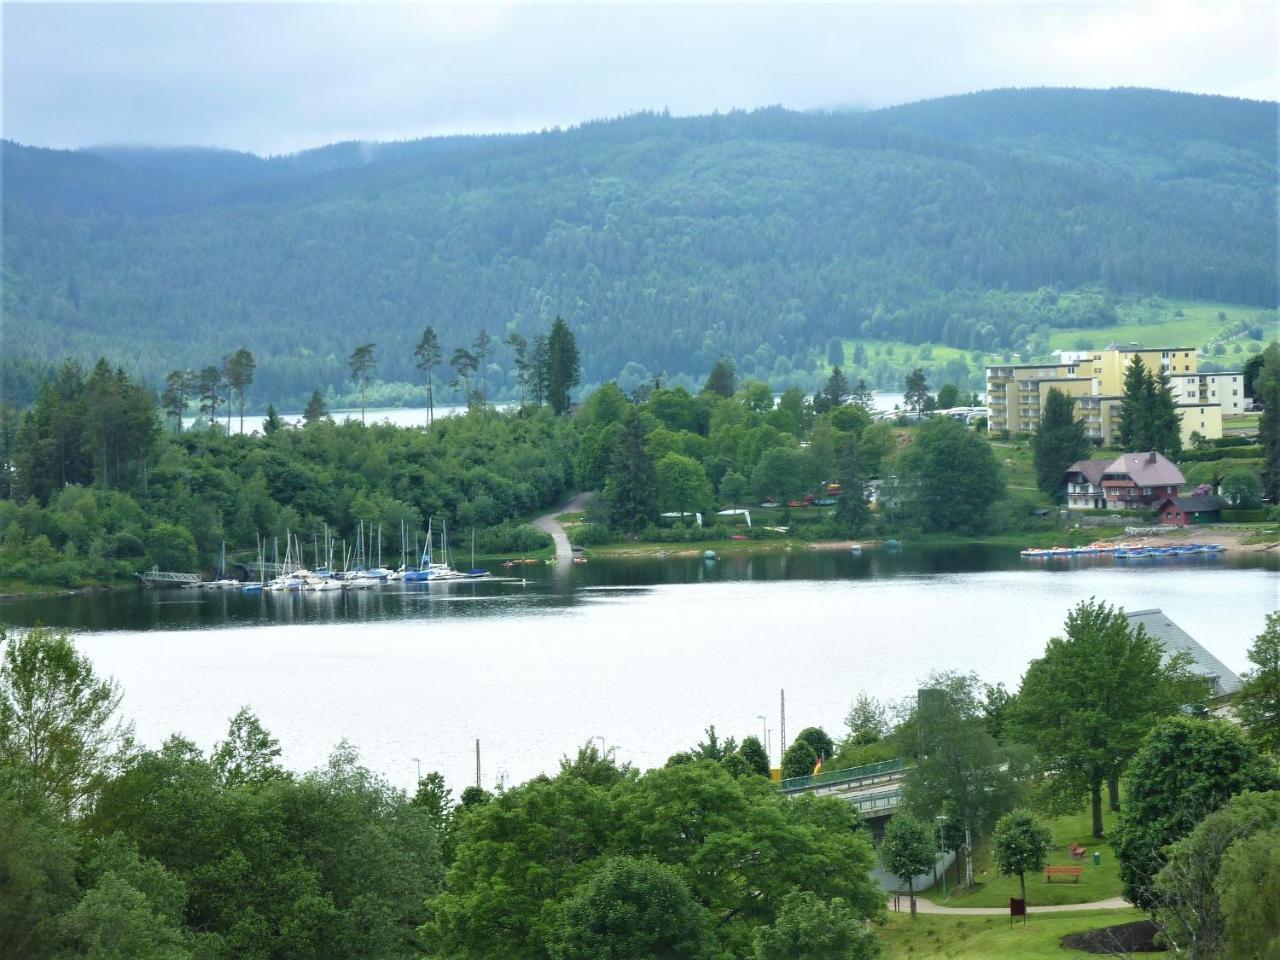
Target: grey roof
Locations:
point(1150, 469)
point(1201, 504)
point(1176, 640)
point(1092, 470)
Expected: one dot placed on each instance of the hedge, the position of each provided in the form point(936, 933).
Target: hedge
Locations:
point(1244, 516)
point(1232, 441)
point(1249, 452)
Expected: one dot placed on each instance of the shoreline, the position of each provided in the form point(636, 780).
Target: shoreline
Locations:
point(1234, 540)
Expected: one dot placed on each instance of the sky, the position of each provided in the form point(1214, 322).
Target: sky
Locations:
point(283, 77)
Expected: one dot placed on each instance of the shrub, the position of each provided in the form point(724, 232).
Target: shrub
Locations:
point(593, 535)
point(512, 537)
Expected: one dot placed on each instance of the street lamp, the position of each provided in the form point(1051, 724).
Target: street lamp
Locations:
point(419, 763)
point(764, 729)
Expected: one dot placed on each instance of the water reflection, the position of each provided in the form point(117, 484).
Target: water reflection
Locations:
point(551, 588)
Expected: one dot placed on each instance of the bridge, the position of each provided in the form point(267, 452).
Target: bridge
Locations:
point(875, 789)
point(155, 577)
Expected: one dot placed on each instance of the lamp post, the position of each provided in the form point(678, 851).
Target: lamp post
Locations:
point(764, 730)
point(419, 765)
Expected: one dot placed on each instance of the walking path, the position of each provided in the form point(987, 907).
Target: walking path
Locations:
point(928, 906)
point(549, 523)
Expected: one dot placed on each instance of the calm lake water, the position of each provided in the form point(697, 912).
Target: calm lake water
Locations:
point(643, 653)
point(417, 416)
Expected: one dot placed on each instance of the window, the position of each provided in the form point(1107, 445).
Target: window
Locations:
point(1235, 393)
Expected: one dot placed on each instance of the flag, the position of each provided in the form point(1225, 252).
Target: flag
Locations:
point(817, 767)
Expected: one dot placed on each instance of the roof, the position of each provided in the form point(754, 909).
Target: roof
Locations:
point(1150, 469)
point(1176, 640)
point(1201, 504)
point(1135, 348)
point(1092, 469)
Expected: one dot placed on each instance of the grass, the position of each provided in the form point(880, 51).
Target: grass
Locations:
point(981, 938)
point(1198, 325)
point(1096, 883)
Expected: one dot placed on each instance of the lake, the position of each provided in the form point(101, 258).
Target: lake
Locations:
point(641, 652)
point(881, 401)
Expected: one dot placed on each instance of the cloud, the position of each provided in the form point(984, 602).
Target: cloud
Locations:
point(281, 77)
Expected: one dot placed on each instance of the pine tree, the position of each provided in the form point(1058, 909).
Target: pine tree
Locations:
point(538, 356)
point(723, 379)
point(862, 395)
point(916, 395)
point(1163, 422)
point(564, 368)
point(209, 386)
point(361, 364)
point(239, 367)
point(1059, 442)
point(837, 388)
point(316, 409)
point(632, 487)
point(429, 355)
point(852, 511)
point(1133, 408)
point(177, 391)
point(1269, 434)
point(520, 348)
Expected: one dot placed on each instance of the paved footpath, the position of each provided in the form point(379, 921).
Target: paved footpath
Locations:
point(549, 523)
point(928, 906)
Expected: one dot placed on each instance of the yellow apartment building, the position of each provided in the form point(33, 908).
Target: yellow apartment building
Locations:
point(1016, 393)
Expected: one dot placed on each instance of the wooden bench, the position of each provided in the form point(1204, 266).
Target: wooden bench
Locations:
point(1072, 872)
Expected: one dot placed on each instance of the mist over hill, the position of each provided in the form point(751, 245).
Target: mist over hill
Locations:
point(665, 242)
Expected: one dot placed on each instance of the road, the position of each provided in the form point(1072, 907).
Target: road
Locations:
point(549, 523)
point(928, 906)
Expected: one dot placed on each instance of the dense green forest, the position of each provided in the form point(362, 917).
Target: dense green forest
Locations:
point(665, 242)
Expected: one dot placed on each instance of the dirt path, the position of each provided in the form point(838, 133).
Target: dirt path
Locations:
point(549, 523)
point(928, 906)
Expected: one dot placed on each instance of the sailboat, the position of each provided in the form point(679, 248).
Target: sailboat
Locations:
point(475, 572)
point(224, 581)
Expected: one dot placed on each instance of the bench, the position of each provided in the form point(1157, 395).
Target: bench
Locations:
point(1072, 872)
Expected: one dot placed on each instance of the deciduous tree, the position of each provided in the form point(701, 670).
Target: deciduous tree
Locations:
point(1084, 705)
point(908, 850)
point(1184, 770)
point(809, 928)
point(1257, 702)
point(58, 718)
point(1020, 845)
point(628, 908)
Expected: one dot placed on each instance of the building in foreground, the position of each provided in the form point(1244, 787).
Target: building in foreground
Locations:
point(1016, 393)
point(1221, 681)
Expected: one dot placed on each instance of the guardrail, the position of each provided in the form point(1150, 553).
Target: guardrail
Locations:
point(882, 802)
point(847, 775)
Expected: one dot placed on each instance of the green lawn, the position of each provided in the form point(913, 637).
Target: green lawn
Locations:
point(1096, 883)
point(982, 938)
point(1198, 324)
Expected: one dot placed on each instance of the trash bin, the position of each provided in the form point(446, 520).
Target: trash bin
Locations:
point(1097, 858)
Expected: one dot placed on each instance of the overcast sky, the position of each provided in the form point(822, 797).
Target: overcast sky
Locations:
point(279, 78)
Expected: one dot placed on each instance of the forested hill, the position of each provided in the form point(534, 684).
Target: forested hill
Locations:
point(664, 242)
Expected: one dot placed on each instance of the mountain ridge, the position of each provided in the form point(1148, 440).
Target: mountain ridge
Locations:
point(665, 240)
